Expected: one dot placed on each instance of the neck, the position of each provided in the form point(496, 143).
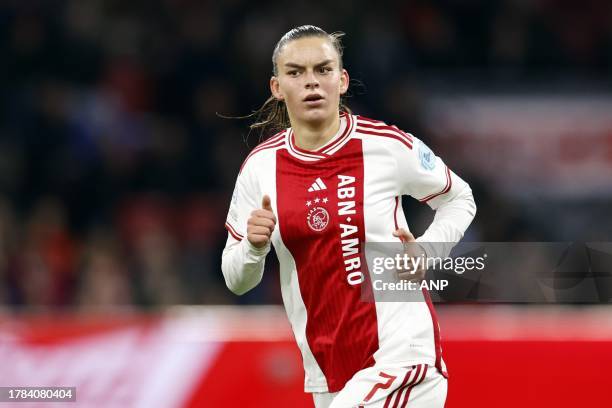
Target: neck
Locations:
point(311, 136)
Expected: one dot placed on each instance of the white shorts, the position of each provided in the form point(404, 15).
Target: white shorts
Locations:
point(417, 386)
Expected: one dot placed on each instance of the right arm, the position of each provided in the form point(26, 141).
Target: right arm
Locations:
point(244, 257)
point(242, 264)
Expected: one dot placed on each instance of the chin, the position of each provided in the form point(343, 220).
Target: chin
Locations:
point(316, 115)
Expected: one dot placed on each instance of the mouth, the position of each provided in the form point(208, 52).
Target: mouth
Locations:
point(313, 99)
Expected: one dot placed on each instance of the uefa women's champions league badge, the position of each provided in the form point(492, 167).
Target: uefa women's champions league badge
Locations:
point(427, 157)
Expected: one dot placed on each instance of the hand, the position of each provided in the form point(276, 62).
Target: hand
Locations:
point(414, 251)
point(261, 224)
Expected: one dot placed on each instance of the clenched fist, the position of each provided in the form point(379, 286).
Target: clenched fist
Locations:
point(261, 224)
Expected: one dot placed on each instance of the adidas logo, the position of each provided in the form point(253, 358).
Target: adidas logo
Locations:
point(317, 185)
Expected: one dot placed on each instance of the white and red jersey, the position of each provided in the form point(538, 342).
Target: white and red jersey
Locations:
point(329, 202)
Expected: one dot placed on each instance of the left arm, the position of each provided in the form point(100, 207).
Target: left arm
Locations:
point(453, 216)
point(424, 176)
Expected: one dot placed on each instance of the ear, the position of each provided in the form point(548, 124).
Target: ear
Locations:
point(344, 81)
point(275, 88)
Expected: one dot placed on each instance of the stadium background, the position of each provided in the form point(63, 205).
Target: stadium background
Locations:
point(116, 174)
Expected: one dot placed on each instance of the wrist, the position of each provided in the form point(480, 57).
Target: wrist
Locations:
point(255, 250)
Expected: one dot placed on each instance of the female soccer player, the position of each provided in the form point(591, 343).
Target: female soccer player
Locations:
point(317, 190)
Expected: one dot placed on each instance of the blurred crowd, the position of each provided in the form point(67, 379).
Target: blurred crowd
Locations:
point(116, 171)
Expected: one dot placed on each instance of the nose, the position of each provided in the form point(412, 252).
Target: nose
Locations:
point(311, 81)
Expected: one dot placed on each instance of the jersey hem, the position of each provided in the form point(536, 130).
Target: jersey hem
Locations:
point(310, 388)
point(315, 388)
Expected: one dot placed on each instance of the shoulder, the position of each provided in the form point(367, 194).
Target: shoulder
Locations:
point(262, 149)
point(380, 132)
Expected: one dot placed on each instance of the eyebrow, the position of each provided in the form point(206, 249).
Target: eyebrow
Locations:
point(294, 65)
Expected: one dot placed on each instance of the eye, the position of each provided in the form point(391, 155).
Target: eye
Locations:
point(324, 70)
point(292, 73)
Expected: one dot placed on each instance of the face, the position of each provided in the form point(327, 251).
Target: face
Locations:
point(310, 80)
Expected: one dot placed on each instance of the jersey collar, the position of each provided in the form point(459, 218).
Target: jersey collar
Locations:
point(333, 145)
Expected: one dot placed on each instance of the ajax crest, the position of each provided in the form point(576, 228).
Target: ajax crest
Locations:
point(318, 218)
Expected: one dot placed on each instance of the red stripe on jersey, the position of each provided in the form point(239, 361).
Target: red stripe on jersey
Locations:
point(334, 140)
point(386, 127)
point(398, 392)
point(360, 118)
point(343, 137)
point(386, 130)
point(395, 212)
point(396, 136)
point(436, 330)
point(274, 141)
point(341, 330)
point(302, 152)
point(409, 388)
point(449, 183)
point(233, 232)
point(406, 377)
